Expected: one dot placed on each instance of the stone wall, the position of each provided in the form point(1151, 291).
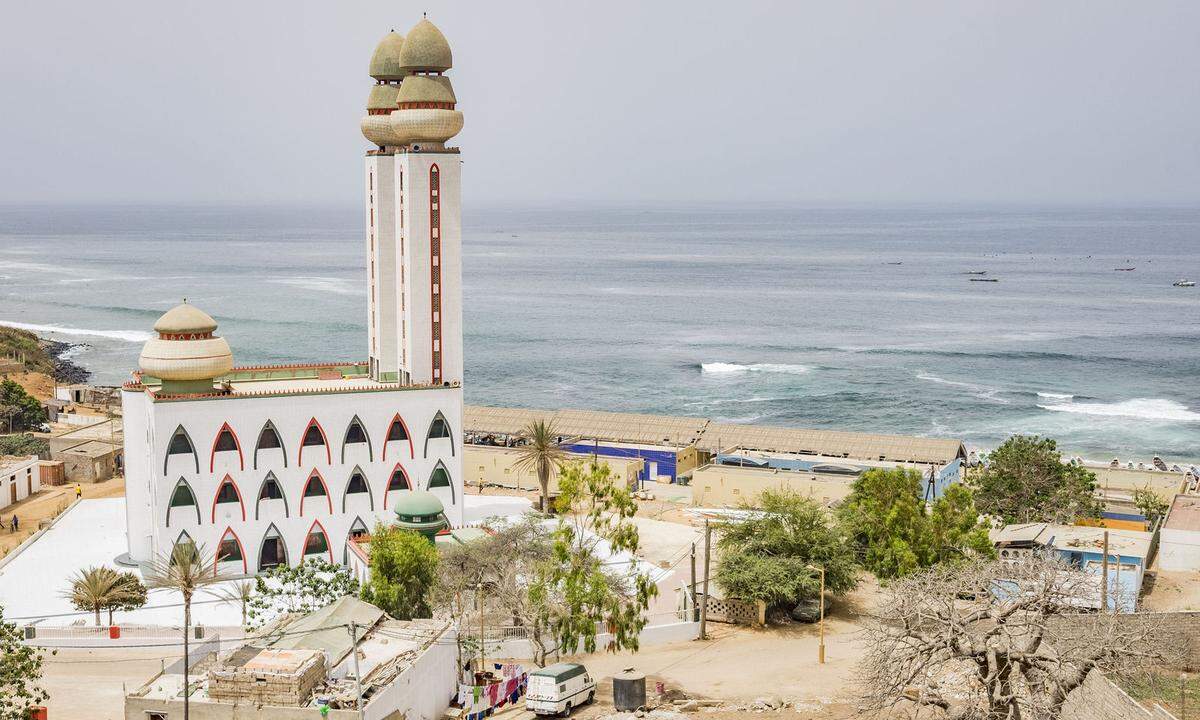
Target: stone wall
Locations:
point(1099, 699)
point(267, 687)
point(1177, 631)
point(736, 612)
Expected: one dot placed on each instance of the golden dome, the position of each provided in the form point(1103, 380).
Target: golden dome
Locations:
point(185, 349)
point(185, 319)
point(385, 62)
point(425, 49)
point(426, 88)
point(382, 97)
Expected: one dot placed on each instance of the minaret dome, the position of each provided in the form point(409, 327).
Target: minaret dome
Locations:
point(186, 356)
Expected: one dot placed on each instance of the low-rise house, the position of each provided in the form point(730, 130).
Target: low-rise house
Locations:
point(733, 486)
point(1179, 541)
point(1083, 547)
point(305, 670)
point(92, 453)
point(20, 477)
point(496, 466)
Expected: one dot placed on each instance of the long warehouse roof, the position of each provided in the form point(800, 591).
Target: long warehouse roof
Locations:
point(711, 436)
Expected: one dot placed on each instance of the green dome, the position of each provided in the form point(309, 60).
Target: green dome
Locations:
point(425, 49)
point(426, 88)
point(385, 63)
point(382, 97)
point(418, 503)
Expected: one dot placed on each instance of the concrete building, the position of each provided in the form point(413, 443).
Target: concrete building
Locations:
point(1129, 552)
point(91, 453)
point(732, 486)
point(268, 465)
point(935, 477)
point(407, 670)
point(1179, 539)
point(495, 466)
point(20, 477)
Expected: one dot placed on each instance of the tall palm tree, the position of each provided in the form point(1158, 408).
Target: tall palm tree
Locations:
point(238, 593)
point(542, 455)
point(186, 569)
point(96, 588)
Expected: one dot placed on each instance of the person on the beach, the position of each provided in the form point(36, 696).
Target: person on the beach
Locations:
point(78, 491)
point(15, 523)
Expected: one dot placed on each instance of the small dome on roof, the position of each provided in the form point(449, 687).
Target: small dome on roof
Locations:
point(425, 49)
point(185, 319)
point(385, 62)
point(426, 88)
point(382, 97)
point(419, 503)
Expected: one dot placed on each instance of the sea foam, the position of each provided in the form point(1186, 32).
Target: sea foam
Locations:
point(720, 367)
point(1055, 396)
point(1154, 409)
point(133, 336)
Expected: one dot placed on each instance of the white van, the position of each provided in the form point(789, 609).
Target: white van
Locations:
point(556, 689)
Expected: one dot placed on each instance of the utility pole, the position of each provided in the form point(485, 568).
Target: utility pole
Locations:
point(1104, 577)
point(707, 563)
point(692, 587)
point(479, 605)
point(357, 676)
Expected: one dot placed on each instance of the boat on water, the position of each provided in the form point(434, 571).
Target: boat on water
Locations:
point(981, 279)
point(1184, 283)
point(1128, 269)
point(976, 272)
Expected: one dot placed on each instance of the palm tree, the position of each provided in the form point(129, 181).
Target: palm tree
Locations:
point(238, 593)
point(96, 588)
point(542, 455)
point(187, 569)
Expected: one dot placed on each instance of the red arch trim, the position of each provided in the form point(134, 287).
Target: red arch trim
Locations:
point(325, 485)
point(236, 489)
point(407, 479)
point(242, 548)
point(212, 455)
point(412, 454)
point(324, 439)
point(328, 545)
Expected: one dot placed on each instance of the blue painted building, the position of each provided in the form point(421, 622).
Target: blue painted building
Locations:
point(657, 460)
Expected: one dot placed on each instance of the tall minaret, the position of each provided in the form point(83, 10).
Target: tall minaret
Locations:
point(414, 230)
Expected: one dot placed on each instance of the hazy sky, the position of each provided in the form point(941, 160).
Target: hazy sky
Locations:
point(613, 102)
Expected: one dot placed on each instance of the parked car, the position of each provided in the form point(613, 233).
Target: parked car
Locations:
point(557, 689)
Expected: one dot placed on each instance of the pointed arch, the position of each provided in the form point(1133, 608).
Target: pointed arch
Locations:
point(272, 550)
point(226, 440)
point(271, 489)
point(269, 439)
point(315, 487)
point(356, 432)
point(398, 431)
point(181, 541)
point(313, 435)
point(439, 428)
point(358, 530)
point(440, 478)
point(229, 549)
point(182, 496)
point(181, 444)
point(316, 542)
point(397, 480)
point(228, 492)
point(357, 483)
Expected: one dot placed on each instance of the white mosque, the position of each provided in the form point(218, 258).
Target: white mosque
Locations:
point(268, 465)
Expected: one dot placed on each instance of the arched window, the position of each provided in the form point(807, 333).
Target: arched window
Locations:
point(314, 488)
point(229, 550)
point(317, 542)
point(272, 551)
point(356, 433)
point(314, 436)
point(226, 442)
point(440, 478)
point(397, 432)
point(358, 531)
point(398, 480)
point(184, 547)
point(181, 444)
point(357, 484)
point(269, 439)
point(439, 429)
point(182, 497)
point(228, 492)
point(270, 490)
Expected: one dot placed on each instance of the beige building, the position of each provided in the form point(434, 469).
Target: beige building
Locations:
point(495, 466)
point(732, 486)
point(91, 453)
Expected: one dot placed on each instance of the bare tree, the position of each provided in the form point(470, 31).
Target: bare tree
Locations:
point(1007, 639)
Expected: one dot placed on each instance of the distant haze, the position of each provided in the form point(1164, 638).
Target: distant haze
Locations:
point(613, 102)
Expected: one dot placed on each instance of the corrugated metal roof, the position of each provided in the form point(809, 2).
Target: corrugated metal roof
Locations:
point(630, 427)
point(326, 629)
point(501, 421)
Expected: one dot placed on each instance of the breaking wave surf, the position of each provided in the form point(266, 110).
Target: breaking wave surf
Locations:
point(729, 368)
point(133, 336)
point(1153, 409)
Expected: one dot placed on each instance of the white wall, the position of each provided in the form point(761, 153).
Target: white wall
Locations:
point(24, 476)
point(424, 690)
point(149, 490)
point(1179, 550)
point(382, 274)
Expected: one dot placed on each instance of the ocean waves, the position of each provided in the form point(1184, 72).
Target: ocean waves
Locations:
point(983, 392)
point(720, 368)
point(1149, 409)
point(133, 336)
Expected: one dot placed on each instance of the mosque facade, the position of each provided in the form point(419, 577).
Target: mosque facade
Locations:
point(269, 465)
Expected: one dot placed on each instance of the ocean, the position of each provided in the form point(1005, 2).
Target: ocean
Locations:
point(843, 318)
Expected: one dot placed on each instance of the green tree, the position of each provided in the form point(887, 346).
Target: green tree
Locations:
point(101, 588)
point(20, 671)
point(18, 409)
point(24, 445)
point(542, 455)
point(896, 533)
point(769, 555)
point(403, 569)
point(1150, 504)
point(1026, 480)
point(577, 589)
point(311, 585)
